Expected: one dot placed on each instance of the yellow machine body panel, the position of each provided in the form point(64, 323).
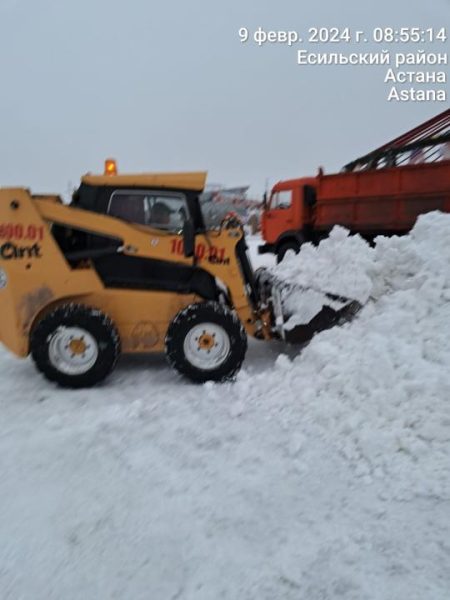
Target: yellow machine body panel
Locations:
point(35, 275)
point(184, 181)
point(141, 317)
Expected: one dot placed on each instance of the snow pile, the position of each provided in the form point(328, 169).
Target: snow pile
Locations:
point(378, 388)
point(340, 265)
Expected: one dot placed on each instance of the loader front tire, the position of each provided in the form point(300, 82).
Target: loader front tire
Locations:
point(75, 346)
point(206, 342)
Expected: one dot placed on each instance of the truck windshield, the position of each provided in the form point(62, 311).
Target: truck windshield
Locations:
point(281, 199)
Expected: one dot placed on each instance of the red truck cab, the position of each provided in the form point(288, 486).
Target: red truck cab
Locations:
point(285, 215)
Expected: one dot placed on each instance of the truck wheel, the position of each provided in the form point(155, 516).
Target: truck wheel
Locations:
point(75, 346)
point(206, 342)
point(291, 245)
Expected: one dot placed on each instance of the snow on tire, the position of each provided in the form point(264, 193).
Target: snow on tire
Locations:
point(206, 342)
point(75, 346)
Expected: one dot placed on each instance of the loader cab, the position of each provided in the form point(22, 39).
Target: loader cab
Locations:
point(172, 211)
point(165, 202)
point(159, 208)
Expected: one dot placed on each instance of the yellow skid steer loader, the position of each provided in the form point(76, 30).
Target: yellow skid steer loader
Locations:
point(129, 267)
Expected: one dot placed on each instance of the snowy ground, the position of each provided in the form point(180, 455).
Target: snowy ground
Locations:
point(317, 475)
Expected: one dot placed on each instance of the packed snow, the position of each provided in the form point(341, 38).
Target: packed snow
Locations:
point(321, 473)
point(340, 265)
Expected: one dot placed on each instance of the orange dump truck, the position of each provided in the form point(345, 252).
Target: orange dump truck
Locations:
point(380, 193)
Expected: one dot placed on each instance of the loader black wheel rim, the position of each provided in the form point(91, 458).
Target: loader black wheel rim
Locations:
point(207, 346)
point(206, 342)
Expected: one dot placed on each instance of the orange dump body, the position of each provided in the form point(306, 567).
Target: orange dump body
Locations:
point(378, 201)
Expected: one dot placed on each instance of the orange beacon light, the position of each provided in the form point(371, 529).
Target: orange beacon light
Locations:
point(110, 167)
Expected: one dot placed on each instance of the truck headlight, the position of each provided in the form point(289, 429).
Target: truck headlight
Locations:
point(3, 279)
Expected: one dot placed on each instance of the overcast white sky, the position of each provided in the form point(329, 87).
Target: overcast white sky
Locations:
point(166, 85)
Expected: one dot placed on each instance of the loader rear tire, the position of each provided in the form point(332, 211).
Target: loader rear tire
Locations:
point(75, 346)
point(206, 342)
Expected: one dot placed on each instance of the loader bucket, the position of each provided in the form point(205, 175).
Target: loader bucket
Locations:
point(328, 317)
point(297, 312)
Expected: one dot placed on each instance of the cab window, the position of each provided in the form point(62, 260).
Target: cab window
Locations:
point(167, 212)
point(160, 210)
point(129, 206)
point(281, 199)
